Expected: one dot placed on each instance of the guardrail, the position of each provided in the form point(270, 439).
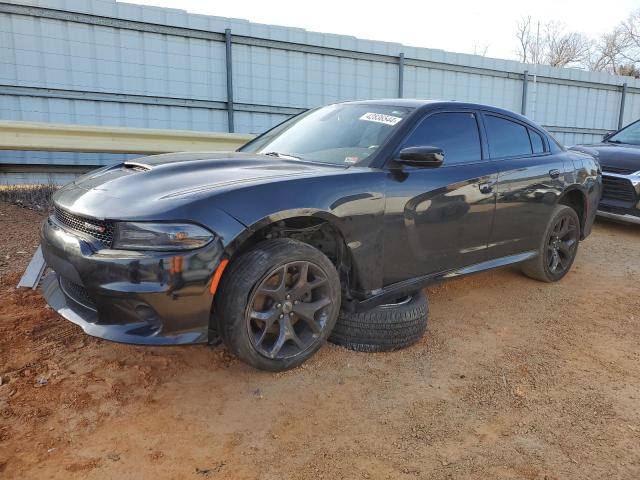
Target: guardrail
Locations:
point(52, 137)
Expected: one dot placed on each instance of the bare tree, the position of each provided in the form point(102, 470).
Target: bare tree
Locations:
point(553, 46)
point(616, 52)
point(630, 33)
point(607, 53)
point(561, 49)
point(526, 40)
point(480, 49)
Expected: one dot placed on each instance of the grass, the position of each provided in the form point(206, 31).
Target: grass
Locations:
point(36, 197)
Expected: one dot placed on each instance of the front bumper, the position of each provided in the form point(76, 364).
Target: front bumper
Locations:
point(150, 298)
point(620, 197)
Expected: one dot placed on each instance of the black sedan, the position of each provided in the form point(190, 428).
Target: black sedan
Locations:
point(347, 206)
point(619, 157)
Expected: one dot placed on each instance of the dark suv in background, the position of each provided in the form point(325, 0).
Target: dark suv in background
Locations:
point(326, 226)
point(619, 157)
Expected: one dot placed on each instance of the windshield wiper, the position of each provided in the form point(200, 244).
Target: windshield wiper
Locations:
point(282, 155)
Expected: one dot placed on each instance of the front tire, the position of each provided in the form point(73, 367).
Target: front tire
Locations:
point(558, 248)
point(277, 304)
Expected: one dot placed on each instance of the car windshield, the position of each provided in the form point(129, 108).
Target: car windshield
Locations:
point(630, 134)
point(341, 134)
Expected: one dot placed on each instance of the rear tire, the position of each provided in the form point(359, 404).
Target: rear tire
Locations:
point(277, 304)
point(558, 247)
point(383, 328)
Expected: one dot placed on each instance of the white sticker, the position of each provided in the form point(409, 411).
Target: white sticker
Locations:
point(380, 118)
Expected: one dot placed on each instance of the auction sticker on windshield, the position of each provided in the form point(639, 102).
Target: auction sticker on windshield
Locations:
point(380, 118)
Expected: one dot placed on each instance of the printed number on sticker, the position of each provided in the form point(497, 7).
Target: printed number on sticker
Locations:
point(380, 118)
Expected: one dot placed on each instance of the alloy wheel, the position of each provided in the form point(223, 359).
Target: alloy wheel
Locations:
point(289, 310)
point(562, 244)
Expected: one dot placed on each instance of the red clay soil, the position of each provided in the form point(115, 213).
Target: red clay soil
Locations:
point(514, 379)
point(18, 237)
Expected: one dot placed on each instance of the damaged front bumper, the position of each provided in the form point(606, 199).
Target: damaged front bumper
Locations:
point(150, 298)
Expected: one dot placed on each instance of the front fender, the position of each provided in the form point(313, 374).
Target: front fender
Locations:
point(352, 203)
point(275, 217)
point(365, 253)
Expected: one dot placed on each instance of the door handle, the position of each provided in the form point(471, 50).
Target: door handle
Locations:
point(554, 173)
point(486, 187)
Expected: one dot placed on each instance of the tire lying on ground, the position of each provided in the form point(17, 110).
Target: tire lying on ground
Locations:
point(383, 328)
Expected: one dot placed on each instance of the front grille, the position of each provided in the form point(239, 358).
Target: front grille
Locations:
point(77, 293)
point(99, 229)
point(619, 170)
point(618, 189)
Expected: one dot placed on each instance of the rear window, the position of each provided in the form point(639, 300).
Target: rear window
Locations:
point(506, 138)
point(536, 142)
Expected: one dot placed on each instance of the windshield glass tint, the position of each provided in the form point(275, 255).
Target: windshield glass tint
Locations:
point(341, 134)
point(631, 135)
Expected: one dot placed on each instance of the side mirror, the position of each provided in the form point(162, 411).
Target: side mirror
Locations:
point(607, 136)
point(426, 157)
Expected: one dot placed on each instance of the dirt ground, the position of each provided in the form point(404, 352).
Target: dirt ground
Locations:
point(514, 379)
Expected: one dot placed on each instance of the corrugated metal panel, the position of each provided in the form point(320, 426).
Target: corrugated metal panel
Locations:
point(577, 138)
point(257, 122)
point(65, 56)
point(179, 18)
point(269, 76)
point(632, 108)
point(575, 106)
point(62, 158)
point(85, 112)
point(446, 85)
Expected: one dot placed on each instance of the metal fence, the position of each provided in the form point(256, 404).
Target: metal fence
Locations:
point(98, 62)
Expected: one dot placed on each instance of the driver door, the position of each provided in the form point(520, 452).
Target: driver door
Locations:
point(438, 219)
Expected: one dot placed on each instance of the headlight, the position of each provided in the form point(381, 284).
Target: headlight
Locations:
point(160, 236)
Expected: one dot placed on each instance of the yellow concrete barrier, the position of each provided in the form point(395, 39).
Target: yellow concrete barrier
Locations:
point(84, 138)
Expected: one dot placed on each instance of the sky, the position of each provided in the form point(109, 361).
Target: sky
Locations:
point(453, 25)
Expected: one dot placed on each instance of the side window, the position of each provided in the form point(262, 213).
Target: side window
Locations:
point(536, 142)
point(506, 138)
point(454, 132)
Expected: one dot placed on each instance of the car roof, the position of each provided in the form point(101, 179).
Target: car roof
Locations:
point(420, 103)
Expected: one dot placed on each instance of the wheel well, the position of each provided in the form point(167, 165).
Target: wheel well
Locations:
point(576, 200)
point(317, 232)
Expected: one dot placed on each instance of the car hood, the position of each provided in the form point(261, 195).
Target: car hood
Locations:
point(158, 183)
point(618, 156)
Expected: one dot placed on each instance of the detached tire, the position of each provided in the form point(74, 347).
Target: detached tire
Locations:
point(384, 328)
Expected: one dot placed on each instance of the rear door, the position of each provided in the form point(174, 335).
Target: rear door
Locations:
point(439, 219)
point(530, 180)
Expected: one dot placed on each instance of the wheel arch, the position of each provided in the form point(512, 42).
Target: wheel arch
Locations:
point(318, 228)
point(575, 198)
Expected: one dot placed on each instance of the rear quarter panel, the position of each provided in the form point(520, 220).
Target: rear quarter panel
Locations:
point(586, 176)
